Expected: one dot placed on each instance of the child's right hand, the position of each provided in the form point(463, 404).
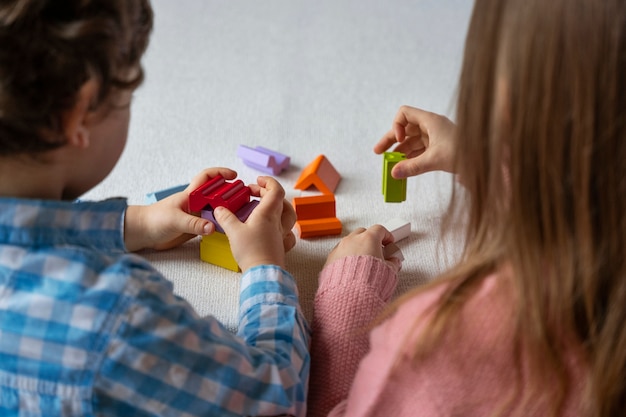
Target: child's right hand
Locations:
point(266, 235)
point(427, 139)
point(364, 241)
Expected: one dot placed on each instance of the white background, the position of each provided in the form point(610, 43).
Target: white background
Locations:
point(302, 78)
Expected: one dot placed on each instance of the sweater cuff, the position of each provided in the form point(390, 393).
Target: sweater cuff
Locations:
point(360, 270)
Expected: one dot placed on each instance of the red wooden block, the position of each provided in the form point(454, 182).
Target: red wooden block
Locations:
point(218, 192)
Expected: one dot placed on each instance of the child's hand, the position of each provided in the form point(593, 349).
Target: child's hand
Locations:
point(365, 242)
point(426, 138)
point(266, 235)
point(167, 223)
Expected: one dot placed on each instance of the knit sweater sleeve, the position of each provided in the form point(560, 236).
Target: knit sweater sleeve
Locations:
point(352, 292)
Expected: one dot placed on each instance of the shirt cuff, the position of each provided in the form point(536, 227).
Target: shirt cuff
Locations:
point(267, 284)
point(360, 270)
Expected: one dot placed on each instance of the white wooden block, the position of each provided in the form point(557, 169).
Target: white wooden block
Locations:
point(400, 229)
point(393, 251)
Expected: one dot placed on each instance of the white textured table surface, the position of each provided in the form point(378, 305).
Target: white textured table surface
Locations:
point(303, 78)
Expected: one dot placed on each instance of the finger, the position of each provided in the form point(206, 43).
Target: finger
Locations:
point(289, 241)
point(255, 190)
point(357, 231)
point(411, 115)
point(288, 218)
point(179, 199)
point(387, 237)
point(399, 131)
point(408, 122)
point(270, 183)
point(413, 130)
point(381, 234)
point(272, 194)
point(395, 263)
point(388, 140)
point(226, 219)
point(412, 144)
point(410, 167)
point(209, 173)
point(195, 225)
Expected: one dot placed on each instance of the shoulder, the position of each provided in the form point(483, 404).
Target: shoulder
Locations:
point(484, 313)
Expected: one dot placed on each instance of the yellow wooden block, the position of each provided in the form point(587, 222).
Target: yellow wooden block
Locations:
point(215, 249)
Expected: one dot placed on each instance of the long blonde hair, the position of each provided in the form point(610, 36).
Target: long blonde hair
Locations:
point(542, 152)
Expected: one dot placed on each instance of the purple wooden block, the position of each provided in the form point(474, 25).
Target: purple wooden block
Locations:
point(263, 159)
point(242, 214)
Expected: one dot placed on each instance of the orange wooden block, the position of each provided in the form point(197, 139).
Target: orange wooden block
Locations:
point(318, 227)
point(320, 174)
point(314, 207)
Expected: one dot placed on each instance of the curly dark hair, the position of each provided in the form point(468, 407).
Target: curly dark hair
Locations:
point(49, 49)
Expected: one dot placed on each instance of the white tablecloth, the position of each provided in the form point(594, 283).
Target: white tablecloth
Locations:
point(302, 78)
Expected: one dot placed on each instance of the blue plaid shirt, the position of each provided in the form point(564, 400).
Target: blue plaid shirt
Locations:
point(87, 329)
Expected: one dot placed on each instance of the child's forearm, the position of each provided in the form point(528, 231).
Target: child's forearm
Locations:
point(353, 292)
point(271, 320)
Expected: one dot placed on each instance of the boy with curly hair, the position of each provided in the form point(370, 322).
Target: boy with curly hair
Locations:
point(87, 328)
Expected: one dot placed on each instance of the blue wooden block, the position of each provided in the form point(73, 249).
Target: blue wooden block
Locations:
point(160, 195)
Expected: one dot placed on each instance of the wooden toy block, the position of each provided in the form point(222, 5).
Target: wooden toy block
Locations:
point(243, 214)
point(160, 195)
point(400, 229)
point(309, 193)
point(291, 193)
point(199, 198)
point(318, 227)
point(314, 207)
point(233, 196)
point(320, 174)
point(263, 159)
point(215, 249)
point(394, 190)
point(392, 250)
point(218, 192)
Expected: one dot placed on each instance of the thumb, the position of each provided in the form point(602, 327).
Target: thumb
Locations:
point(410, 168)
point(195, 225)
point(225, 218)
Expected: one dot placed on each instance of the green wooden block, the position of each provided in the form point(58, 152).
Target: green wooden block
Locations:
point(394, 190)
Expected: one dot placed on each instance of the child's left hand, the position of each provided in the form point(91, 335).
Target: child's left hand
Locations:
point(364, 241)
point(167, 223)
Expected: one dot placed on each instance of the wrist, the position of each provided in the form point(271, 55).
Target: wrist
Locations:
point(367, 270)
point(134, 238)
point(261, 262)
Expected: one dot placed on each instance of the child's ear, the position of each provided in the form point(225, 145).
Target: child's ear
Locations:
point(74, 120)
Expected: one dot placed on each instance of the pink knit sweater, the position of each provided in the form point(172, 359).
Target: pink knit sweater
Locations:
point(353, 371)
